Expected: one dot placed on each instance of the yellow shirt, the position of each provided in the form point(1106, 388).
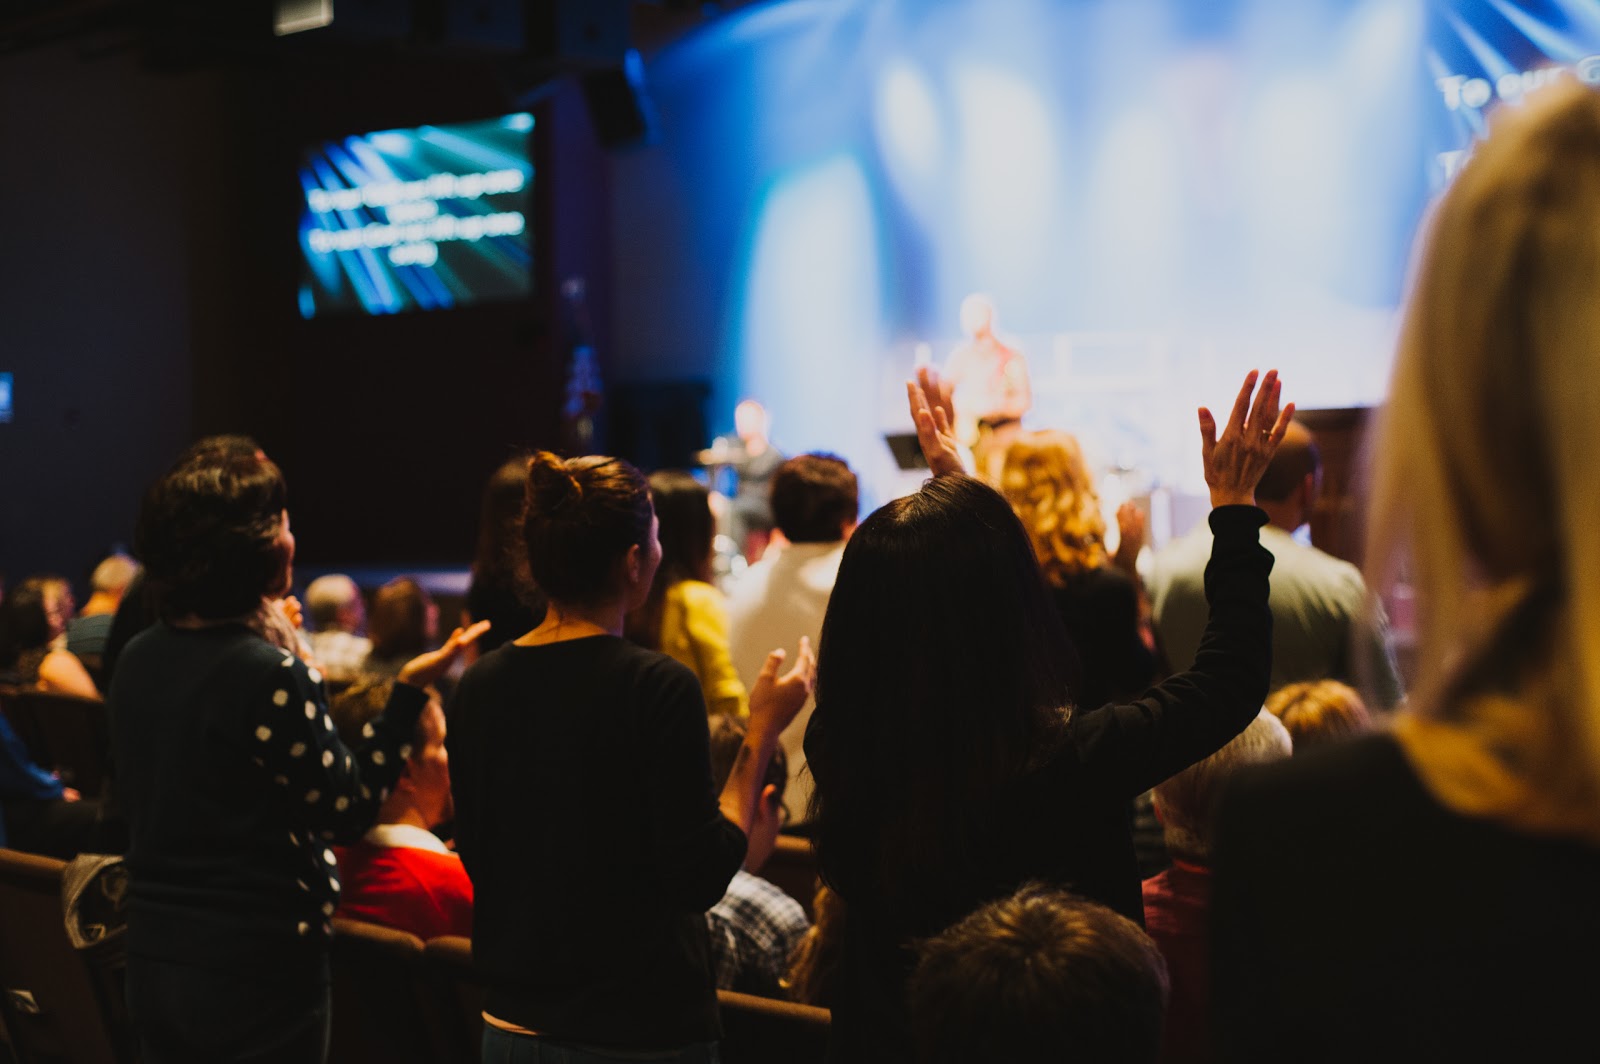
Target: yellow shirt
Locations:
point(694, 630)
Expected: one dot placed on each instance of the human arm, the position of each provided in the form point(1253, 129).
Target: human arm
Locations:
point(933, 412)
point(1235, 461)
point(62, 673)
point(1192, 714)
point(1017, 384)
point(1131, 525)
point(337, 789)
point(775, 701)
point(20, 778)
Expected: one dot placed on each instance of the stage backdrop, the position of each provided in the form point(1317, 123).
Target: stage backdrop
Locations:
point(1157, 194)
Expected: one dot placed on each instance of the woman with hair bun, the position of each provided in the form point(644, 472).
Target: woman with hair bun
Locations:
point(585, 812)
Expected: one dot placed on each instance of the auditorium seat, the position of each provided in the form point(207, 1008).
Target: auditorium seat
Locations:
point(380, 1011)
point(50, 1002)
point(792, 868)
point(757, 1030)
point(66, 734)
point(459, 1030)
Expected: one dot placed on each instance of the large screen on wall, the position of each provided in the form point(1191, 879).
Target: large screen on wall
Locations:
point(426, 218)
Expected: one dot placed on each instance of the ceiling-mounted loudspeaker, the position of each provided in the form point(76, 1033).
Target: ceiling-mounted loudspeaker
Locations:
point(619, 104)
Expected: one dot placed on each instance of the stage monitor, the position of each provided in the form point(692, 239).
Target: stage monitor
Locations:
point(427, 218)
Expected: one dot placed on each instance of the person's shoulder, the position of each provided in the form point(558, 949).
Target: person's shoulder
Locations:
point(746, 591)
point(749, 896)
point(597, 659)
point(1348, 775)
point(1105, 580)
point(1184, 554)
point(1319, 573)
point(696, 594)
point(431, 867)
point(236, 644)
point(92, 624)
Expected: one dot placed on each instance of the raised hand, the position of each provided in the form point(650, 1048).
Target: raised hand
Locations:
point(428, 667)
point(933, 411)
point(776, 700)
point(1235, 461)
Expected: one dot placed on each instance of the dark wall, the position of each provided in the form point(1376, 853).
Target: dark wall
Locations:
point(95, 196)
point(149, 297)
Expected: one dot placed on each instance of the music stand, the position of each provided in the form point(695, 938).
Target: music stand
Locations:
point(906, 450)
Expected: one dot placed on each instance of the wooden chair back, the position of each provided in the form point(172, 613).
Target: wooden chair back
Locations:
point(459, 1031)
point(51, 1003)
point(792, 868)
point(379, 1014)
point(757, 1030)
point(66, 734)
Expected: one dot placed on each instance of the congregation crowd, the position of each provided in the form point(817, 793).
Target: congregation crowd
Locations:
point(1067, 803)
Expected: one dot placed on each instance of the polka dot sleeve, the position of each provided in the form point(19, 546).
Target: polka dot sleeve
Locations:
point(332, 789)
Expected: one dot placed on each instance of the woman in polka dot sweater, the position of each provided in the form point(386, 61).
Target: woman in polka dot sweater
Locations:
point(235, 782)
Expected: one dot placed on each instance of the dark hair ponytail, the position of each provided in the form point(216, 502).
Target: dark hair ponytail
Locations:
point(582, 515)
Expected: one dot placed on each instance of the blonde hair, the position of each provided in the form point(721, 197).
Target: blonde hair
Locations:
point(1319, 713)
point(1482, 479)
point(1045, 480)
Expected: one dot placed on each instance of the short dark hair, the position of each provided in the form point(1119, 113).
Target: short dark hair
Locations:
point(209, 534)
point(581, 517)
point(397, 624)
point(814, 497)
point(1040, 976)
point(1297, 457)
point(727, 735)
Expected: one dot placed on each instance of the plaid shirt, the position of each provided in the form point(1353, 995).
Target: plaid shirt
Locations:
point(755, 929)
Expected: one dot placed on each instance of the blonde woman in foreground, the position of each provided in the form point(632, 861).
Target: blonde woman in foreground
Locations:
point(1428, 894)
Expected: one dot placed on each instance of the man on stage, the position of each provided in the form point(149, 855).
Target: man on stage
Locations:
point(989, 385)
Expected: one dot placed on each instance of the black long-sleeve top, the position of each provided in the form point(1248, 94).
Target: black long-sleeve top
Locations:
point(1067, 823)
point(1354, 917)
point(587, 819)
point(236, 785)
point(1100, 608)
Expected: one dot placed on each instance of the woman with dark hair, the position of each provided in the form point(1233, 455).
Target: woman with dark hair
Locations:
point(233, 779)
point(950, 764)
point(685, 616)
point(585, 812)
point(501, 591)
point(32, 617)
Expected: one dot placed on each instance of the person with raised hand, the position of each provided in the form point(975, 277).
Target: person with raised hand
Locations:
point(950, 764)
point(233, 780)
point(585, 812)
